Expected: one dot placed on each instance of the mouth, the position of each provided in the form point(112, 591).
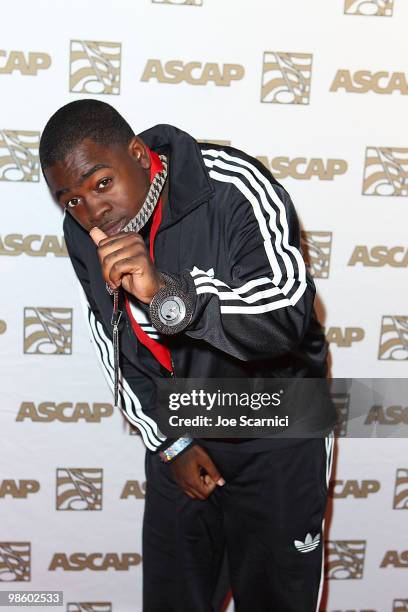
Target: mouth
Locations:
point(113, 227)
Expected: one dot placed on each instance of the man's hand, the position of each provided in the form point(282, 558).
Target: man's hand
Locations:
point(196, 473)
point(125, 261)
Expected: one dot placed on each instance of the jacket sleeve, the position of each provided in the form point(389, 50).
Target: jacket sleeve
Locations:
point(134, 407)
point(264, 311)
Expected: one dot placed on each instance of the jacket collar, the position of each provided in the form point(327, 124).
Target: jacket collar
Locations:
point(189, 183)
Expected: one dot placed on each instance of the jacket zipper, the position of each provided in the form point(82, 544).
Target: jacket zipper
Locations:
point(173, 371)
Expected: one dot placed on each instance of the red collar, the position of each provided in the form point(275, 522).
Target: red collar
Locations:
point(159, 351)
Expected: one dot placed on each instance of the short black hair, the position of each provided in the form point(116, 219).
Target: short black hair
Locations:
point(78, 120)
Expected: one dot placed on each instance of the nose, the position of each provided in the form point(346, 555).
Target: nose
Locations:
point(97, 209)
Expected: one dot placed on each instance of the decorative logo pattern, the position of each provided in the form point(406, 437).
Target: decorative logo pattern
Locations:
point(79, 489)
point(95, 67)
point(15, 561)
point(401, 489)
point(316, 248)
point(345, 559)
point(47, 331)
point(386, 171)
point(394, 338)
point(379, 8)
point(19, 160)
point(286, 77)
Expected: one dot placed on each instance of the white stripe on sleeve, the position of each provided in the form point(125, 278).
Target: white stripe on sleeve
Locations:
point(130, 404)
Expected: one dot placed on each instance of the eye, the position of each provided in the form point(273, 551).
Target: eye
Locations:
point(103, 183)
point(72, 203)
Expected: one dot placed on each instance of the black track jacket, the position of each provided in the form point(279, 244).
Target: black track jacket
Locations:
point(231, 234)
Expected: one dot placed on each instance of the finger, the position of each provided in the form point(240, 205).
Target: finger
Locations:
point(207, 485)
point(128, 252)
point(97, 235)
point(212, 470)
point(191, 492)
point(129, 265)
point(199, 487)
point(122, 252)
point(207, 480)
point(196, 486)
point(199, 495)
point(113, 243)
point(187, 492)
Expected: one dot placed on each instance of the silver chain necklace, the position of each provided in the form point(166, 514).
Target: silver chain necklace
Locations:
point(153, 195)
point(134, 225)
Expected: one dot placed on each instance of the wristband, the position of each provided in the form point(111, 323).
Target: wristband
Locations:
point(172, 451)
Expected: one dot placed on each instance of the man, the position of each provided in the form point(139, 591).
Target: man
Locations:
point(212, 284)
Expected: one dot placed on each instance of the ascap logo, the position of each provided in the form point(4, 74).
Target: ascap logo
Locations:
point(180, 2)
point(341, 402)
point(340, 489)
point(316, 247)
point(395, 559)
point(79, 488)
point(15, 561)
point(47, 331)
point(305, 169)
point(19, 160)
point(401, 490)
point(19, 489)
point(66, 412)
point(379, 8)
point(363, 81)
point(24, 63)
point(286, 77)
point(88, 606)
point(96, 562)
point(133, 488)
point(386, 171)
point(193, 73)
point(33, 245)
point(391, 415)
point(344, 337)
point(345, 559)
point(400, 605)
point(379, 256)
point(95, 67)
point(394, 338)
point(3, 326)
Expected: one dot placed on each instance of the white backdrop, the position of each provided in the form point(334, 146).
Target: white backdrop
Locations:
point(287, 100)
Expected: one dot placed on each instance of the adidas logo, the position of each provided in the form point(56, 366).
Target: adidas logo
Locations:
point(309, 543)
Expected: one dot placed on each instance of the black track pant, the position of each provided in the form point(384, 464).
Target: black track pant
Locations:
point(268, 516)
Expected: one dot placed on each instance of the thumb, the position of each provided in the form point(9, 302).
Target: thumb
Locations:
point(97, 235)
point(212, 471)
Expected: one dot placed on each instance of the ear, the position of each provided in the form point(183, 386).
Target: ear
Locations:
point(137, 150)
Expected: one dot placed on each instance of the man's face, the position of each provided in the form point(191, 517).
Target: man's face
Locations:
point(101, 186)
